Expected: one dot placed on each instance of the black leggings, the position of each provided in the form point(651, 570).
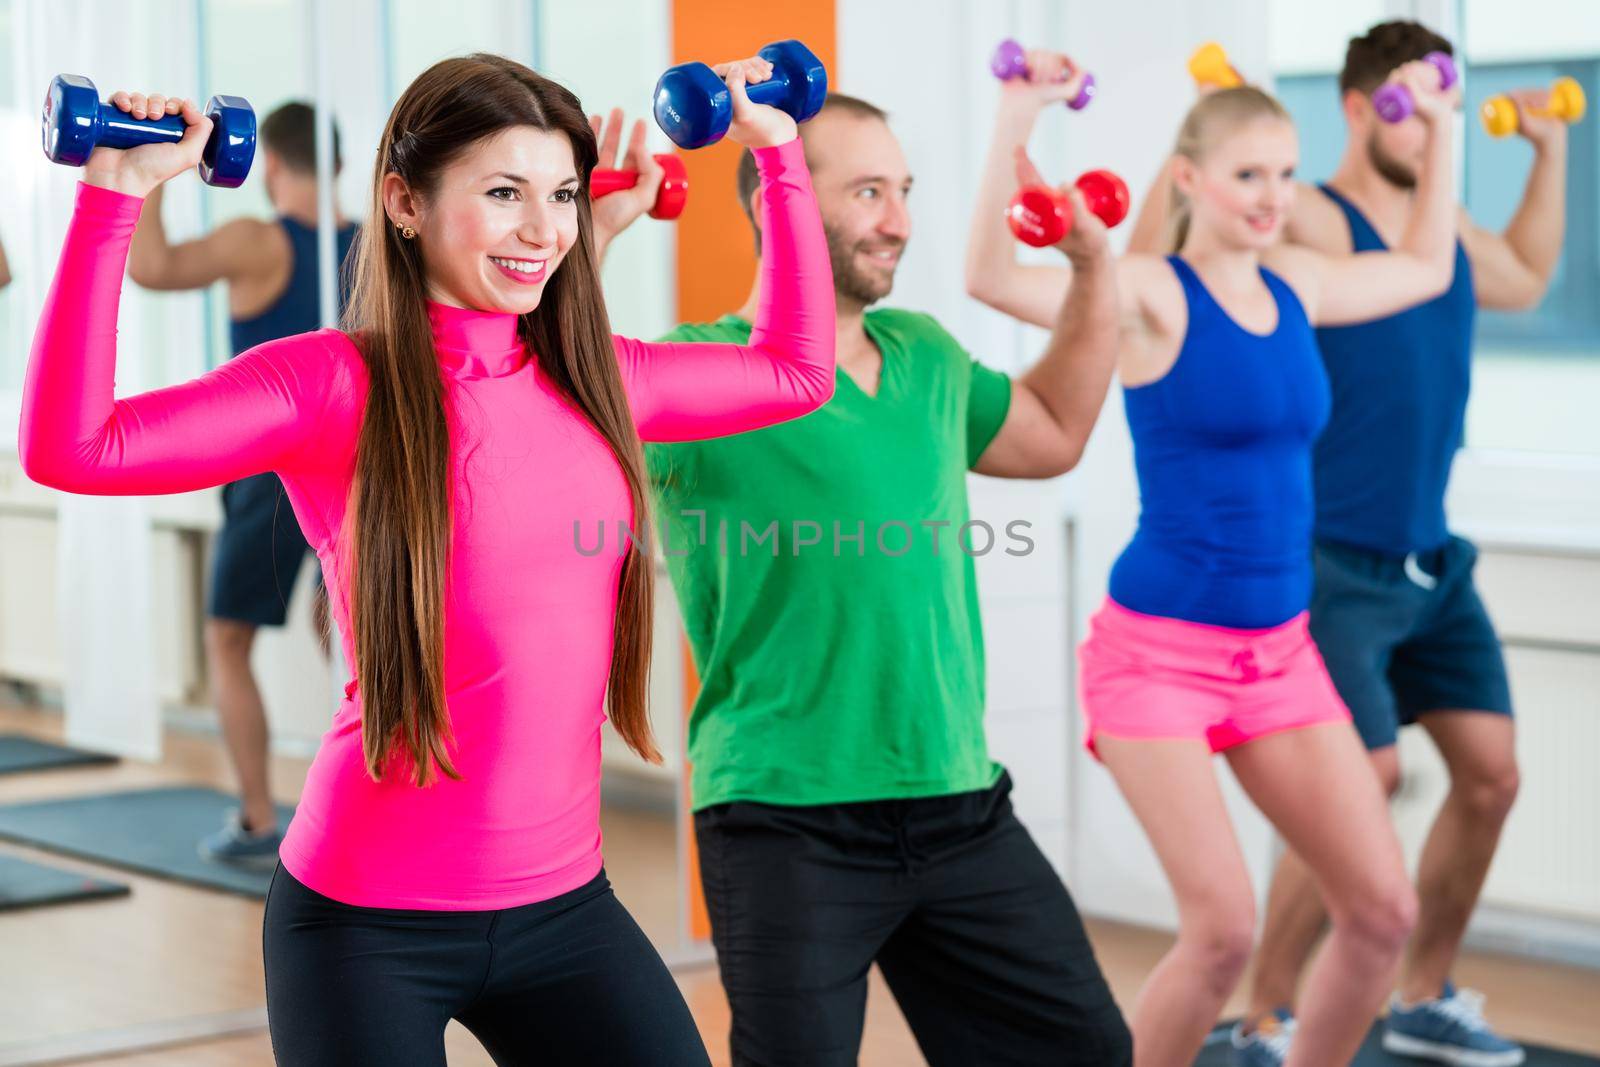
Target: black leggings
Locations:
point(568, 980)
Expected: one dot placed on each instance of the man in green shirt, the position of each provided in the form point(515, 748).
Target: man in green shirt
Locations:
point(846, 808)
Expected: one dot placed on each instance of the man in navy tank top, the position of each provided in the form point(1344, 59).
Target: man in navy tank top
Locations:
point(1395, 613)
point(271, 269)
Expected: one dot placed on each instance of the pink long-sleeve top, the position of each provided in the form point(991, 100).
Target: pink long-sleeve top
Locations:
point(528, 619)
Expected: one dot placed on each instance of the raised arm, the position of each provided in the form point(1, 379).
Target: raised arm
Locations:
point(1369, 285)
point(993, 275)
point(1511, 270)
point(688, 391)
point(684, 391)
point(257, 413)
point(231, 252)
point(1055, 404)
point(1149, 234)
point(617, 211)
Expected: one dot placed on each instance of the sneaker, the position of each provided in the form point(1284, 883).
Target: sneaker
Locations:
point(1268, 1044)
point(247, 848)
point(1450, 1029)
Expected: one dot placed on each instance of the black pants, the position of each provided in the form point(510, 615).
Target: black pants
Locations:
point(973, 931)
point(571, 980)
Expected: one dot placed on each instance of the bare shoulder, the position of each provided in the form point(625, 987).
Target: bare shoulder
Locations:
point(246, 231)
point(1155, 296)
point(257, 260)
point(1316, 222)
point(1299, 266)
point(1472, 235)
point(1155, 323)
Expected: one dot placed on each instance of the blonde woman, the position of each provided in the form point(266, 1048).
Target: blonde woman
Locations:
point(1202, 646)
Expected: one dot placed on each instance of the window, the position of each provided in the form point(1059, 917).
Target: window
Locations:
point(1537, 373)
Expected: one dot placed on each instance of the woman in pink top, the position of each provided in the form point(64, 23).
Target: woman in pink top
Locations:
point(444, 861)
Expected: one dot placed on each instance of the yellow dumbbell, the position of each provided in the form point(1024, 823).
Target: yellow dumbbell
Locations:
point(1565, 102)
point(1209, 66)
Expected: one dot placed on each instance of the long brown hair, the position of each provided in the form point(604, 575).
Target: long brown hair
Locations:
point(401, 498)
point(1212, 118)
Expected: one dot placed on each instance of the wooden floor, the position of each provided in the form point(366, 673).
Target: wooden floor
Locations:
point(172, 952)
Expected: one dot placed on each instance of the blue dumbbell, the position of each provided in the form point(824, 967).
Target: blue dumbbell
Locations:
point(694, 107)
point(76, 122)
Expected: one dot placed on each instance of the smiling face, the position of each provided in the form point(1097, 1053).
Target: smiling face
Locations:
point(498, 221)
point(862, 181)
point(1242, 186)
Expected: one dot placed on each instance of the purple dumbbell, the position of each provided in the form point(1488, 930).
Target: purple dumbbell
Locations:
point(1009, 61)
point(1393, 102)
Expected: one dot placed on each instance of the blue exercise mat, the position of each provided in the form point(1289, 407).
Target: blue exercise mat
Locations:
point(152, 831)
point(1219, 1053)
point(19, 752)
point(25, 884)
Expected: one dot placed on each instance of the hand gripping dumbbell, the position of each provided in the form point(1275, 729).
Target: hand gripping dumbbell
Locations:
point(1566, 103)
point(1010, 61)
point(1393, 101)
point(670, 198)
point(694, 106)
point(75, 123)
point(1040, 216)
point(1209, 66)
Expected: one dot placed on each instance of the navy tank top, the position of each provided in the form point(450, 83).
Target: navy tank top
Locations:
point(1400, 389)
point(1222, 444)
point(299, 309)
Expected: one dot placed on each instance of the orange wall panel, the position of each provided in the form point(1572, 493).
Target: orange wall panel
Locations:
point(716, 252)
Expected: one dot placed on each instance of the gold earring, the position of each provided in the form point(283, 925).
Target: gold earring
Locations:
point(407, 232)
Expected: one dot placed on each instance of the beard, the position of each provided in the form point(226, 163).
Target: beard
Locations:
point(1389, 168)
point(851, 281)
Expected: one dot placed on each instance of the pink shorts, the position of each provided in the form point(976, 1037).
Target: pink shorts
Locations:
point(1143, 676)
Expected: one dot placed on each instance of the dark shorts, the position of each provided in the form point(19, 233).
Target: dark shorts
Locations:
point(1403, 636)
point(570, 980)
point(257, 553)
point(970, 925)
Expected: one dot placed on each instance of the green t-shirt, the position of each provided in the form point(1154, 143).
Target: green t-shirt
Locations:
point(832, 612)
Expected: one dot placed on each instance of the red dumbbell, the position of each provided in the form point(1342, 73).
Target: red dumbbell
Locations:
point(1041, 216)
point(670, 198)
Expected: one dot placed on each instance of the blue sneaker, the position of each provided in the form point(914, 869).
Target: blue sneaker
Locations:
point(1268, 1044)
point(246, 848)
point(1451, 1029)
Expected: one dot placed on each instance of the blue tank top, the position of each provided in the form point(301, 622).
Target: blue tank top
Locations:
point(299, 309)
point(1400, 389)
point(1222, 444)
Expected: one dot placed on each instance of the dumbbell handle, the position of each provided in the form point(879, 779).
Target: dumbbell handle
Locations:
point(771, 92)
point(670, 197)
point(119, 129)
